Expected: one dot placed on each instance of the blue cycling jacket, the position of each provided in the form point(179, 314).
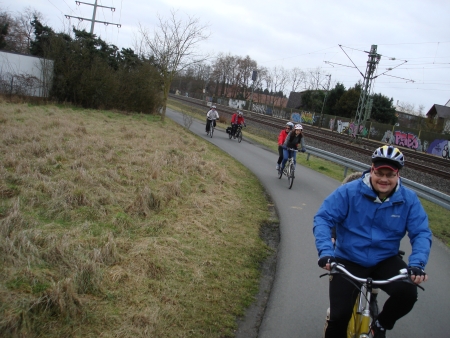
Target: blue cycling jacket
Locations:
point(369, 231)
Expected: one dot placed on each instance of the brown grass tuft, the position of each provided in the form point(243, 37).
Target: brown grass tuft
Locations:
point(145, 202)
point(13, 221)
point(60, 300)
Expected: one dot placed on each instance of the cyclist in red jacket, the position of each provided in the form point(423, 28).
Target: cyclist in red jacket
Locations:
point(236, 119)
point(281, 138)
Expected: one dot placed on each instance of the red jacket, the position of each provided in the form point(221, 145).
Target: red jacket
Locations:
point(236, 119)
point(282, 137)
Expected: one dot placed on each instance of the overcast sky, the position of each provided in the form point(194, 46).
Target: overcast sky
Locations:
point(303, 34)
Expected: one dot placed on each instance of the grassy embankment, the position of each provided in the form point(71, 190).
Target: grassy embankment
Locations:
point(118, 225)
point(438, 216)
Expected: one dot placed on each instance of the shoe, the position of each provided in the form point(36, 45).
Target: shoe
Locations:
point(278, 166)
point(378, 331)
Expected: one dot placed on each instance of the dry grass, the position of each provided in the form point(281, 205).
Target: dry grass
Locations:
point(112, 227)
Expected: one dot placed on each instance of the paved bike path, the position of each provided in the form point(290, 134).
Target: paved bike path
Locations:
point(298, 299)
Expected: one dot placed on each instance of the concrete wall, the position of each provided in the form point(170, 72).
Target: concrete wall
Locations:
point(25, 74)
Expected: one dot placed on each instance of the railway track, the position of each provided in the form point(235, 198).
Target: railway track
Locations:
point(425, 163)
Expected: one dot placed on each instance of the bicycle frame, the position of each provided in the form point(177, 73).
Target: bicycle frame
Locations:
point(359, 324)
point(361, 320)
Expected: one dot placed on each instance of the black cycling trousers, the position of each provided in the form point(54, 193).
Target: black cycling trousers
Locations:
point(280, 154)
point(208, 123)
point(233, 128)
point(402, 296)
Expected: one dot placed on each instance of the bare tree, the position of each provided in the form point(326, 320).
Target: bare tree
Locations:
point(172, 45)
point(246, 68)
point(316, 79)
point(297, 78)
point(20, 30)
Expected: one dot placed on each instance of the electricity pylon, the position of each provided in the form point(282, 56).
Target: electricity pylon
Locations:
point(93, 21)
point(365, 102)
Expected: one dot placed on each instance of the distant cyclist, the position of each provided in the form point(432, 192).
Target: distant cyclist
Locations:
point(281, 138)
point(372, 215)
point(211, 116)
point(236, 120)
point(293, 140)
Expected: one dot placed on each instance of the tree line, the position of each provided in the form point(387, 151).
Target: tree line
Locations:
point(231, 76)
point(87, 71)
point(92, 73)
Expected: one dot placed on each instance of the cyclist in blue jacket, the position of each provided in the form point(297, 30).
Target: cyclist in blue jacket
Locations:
point(372, 215)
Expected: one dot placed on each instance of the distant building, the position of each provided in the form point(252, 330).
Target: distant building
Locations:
point(295, 100)
point(440, 115)
point(408, 120)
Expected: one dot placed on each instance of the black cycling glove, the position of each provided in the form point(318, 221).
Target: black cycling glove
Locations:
point(325, 260)
point(416, 271)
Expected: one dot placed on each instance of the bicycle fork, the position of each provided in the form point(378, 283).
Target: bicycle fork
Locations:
point(362, 327)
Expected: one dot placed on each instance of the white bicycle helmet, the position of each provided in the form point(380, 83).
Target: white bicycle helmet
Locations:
point(290, 125)
point(213, 107)
point(240, 113)
point(298, 126)
point(389, 154)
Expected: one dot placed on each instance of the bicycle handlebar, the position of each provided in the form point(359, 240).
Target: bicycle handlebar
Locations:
point(338, 268)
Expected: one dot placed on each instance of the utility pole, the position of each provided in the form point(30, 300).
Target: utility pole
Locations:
point(324, 100)
point(365, 104)
point(93, 21)
point(254, 77)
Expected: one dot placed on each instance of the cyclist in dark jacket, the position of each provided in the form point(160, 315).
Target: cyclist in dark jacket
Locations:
point(292, 141)
point(281, 138)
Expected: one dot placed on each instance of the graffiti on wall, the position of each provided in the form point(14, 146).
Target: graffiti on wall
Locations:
point(388, 137)
point(331, 125)
point(440, 148)
point(259, 108)
point(352, 130)
point(303, 117)
point(296, 118)
point(342, 127)
point(408, 140)
point(308, 117)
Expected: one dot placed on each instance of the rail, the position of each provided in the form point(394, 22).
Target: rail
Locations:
point(423, 191)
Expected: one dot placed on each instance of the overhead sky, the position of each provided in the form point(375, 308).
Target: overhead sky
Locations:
point(292, 33)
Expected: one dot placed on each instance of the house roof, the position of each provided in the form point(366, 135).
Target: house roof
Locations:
point(441, 111)
point(295, 100)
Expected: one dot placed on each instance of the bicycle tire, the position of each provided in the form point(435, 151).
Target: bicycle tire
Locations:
point(280, 172)
point(211, 132)
point(239, 137)
point(229, 135)
point(291, 175)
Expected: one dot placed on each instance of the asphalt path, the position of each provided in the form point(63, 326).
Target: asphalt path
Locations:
point(299, 298)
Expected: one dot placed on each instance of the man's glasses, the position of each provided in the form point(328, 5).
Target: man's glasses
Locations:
point(380, 175)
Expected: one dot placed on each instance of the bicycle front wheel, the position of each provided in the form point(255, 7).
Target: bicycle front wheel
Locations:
point(211, 131)
point(239, 137)
point(290, 174)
